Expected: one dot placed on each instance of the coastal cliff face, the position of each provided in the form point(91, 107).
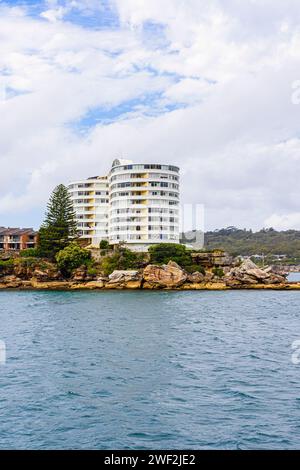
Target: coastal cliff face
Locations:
point(45, 275)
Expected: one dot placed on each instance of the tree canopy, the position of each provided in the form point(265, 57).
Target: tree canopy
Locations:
point(59, 227)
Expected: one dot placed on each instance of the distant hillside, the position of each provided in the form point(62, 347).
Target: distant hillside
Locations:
point(267, 242)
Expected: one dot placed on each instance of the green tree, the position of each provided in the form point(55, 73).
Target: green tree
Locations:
point(59, 227)
point(104, 245)
point(122, 259)
point(162, 253)
point(71, 257)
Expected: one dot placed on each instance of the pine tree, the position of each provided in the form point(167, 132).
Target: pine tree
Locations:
point(59, 227)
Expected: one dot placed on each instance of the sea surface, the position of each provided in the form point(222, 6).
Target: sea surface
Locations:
point(150, 370)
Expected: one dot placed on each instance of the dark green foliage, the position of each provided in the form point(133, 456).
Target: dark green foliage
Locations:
point(28, 262)
point(104, 245)
point(59, 227)
point(30, 253)
point(268, 242)
point(122, 259)
point(71, 257)
point(91, 271)
point(6, 267)
point(6, 263)
point(162, 253)
point(194, 268)
point(218, 272)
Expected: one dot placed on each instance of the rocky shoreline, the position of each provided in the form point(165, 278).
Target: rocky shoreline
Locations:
point(152, 277)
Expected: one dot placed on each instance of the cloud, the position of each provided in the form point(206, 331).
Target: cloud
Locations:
point(284, 222)
point(204, 85)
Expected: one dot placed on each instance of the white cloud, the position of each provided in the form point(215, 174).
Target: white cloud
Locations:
point(232, 67)
point(284, 222)
point(54, 15)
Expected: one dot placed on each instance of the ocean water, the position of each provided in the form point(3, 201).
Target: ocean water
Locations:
point(150, 370)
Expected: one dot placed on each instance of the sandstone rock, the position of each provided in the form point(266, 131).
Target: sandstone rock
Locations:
point(165, 276)
point(124, 280)
point(248, 273)
point(193, 286)
point(195, 278)
point(6, 271)
point(11, 282)
point(22, 272)
point(40, 275)
point(50, 285)
point(79, 274)
point(208, 277)
point(88, 285)
point(210, 259)
point(49, 274)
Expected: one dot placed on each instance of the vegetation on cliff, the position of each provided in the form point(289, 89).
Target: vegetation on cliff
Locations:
point(122, 259)
point(72, 257)
point(162, 253)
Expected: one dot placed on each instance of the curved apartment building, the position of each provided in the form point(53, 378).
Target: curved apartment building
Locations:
point(140, 206)
point(144, 204)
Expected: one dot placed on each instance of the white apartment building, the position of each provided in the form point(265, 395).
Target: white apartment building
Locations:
point(91, 201)
point(136, 204)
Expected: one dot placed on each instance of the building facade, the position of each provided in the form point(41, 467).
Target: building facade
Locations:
point(15, 239)
point(91, 201)
point(141, 206)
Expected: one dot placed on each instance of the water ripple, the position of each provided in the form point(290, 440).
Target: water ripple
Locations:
point(149, 370)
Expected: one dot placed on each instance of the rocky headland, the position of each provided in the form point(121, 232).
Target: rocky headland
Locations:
point(245, 275)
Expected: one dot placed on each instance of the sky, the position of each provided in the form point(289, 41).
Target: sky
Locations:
point(212, 86)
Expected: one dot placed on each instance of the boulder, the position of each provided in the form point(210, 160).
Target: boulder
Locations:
point(124, 280)
point(210, 259)
point(48, 274)
point(79, 274)
point(166, 276)
point(195, 278)
point(248, 273)
point(24, 272)
point(11, 282)
point(40, 275)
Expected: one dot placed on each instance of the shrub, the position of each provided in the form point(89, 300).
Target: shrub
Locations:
point(104, 245)
point(162, 253)
point(6, 263)
point(30, 253)
point(91, 271)
point(27, 262)
point(195, 268)
point(71, 257)
point(122, 259)
point(218, 272)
